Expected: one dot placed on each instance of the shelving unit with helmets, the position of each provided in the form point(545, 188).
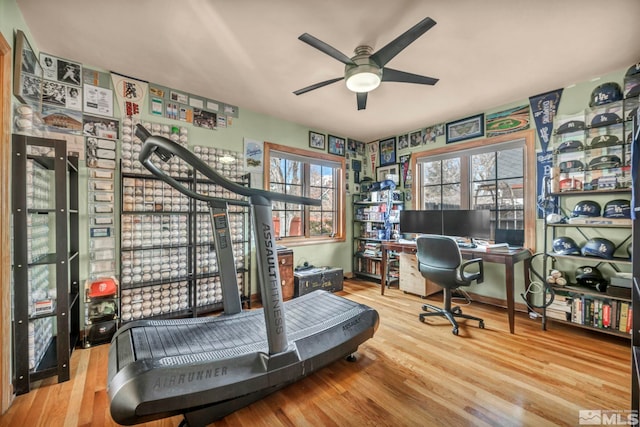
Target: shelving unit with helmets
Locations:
point(588, 239)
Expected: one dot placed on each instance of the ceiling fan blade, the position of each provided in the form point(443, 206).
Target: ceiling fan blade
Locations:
point(391, 75)
point(362, 100)
point(323, 47)
point(387, 53)
point(317, 86)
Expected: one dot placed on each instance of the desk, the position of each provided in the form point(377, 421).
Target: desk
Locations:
point(508, 259)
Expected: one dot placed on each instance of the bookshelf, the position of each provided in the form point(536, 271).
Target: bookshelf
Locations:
point(376, 218)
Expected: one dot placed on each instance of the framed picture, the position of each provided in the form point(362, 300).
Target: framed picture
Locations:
point(316, 140)
point(393, 172)
point(471, 127)
point(336, 145)
point(415, 138)
point(27, 72)
point(69, 72)
point(387, 151)
point(100, 127)
point(403, 142)
point(49, 66)
point(352, 145)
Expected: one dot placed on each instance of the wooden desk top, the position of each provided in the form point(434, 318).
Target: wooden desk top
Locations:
point(514, 255)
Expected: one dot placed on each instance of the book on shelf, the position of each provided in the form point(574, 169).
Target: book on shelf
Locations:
point(576, 311)
point(368, 266)
point(589, 310)
point(606, 315)
point(624, 317)
point(561, 303)
point(372, 249)
point(615, 314)
point(558, 314)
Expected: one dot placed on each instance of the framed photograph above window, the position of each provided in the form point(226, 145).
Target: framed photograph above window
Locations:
point(336, 145)
point(316, 140)
point(471, 127)
point(387, 151)
point(27, 75)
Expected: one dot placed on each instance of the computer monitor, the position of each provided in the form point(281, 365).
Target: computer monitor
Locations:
point(421, 222)
point(511, 237)
point(475, 224)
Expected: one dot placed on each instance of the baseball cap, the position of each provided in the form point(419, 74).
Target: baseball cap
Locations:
point(102, 287)
point(571, 166)
point(605, 94)
point(604, 141)
point(633, 70)
point(632, 89)
point(570, 126)
point(569, 146)
point(605, 162)
point(604, 119)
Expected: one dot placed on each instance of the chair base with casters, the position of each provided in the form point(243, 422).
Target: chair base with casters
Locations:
point(440, 260)
point(449, 312)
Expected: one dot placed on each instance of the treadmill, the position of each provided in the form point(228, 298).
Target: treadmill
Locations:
point(207, 368)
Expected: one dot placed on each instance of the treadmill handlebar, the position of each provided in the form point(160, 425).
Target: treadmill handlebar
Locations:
point(166, 149)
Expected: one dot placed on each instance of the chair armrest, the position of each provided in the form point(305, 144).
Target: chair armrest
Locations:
point(480, 273)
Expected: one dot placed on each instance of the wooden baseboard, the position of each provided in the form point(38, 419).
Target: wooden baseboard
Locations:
point(498, 302)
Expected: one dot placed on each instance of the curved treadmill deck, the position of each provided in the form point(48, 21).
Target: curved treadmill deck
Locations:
point(216, 365)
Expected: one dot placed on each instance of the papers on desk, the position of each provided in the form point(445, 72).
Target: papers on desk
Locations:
point(493, 247)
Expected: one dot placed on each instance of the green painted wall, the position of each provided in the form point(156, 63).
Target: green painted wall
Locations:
point(265, 128)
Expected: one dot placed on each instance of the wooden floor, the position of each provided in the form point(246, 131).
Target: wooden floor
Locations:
point(409, 374)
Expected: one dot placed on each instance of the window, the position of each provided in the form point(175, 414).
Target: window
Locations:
point(481, 175)
point(303, 173)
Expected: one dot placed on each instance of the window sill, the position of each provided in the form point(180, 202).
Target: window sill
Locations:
point(293, 242)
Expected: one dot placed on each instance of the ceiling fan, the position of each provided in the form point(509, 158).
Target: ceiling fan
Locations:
point(364, 71)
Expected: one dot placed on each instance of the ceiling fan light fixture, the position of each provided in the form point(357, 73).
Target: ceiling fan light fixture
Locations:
point(363, 81)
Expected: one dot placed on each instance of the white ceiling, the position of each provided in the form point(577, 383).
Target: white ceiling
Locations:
point(247, 53)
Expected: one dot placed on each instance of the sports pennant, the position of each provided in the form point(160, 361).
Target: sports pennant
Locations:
point(130, 93)
point(544, 108)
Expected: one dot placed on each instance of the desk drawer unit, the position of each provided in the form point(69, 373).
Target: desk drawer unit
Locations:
point(411, 280)
point(327, 278)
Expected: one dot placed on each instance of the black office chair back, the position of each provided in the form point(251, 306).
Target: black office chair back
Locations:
point(439, 259)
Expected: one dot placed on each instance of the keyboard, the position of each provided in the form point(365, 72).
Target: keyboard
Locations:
point(407, 241)
point(467, 245)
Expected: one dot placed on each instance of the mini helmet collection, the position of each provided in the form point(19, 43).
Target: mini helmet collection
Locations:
point(591, 277)
point(566, 246)
point(586, 208)
point(618, 208)
point(598, 247)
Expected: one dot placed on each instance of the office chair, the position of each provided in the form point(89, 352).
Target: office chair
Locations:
point(440, 261)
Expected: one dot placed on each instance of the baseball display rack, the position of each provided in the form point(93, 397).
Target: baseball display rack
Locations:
point(46, 311)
